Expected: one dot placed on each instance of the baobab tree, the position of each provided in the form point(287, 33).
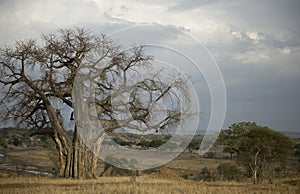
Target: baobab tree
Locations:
point(35, 76)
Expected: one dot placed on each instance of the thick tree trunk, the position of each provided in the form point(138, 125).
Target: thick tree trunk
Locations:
point(76, 160)
point(84, 161)
point(67, 149)
point(80, 155)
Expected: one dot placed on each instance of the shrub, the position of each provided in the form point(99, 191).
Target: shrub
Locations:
point(210, 155)
point(14, 141)
point(206, 175)
point(297, 151)
point(144, 144)
point(156, 143)
point(3, 141)
point(229, 171)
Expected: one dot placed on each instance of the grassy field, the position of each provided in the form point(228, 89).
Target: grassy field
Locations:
point(167, 180)
point(143, 184)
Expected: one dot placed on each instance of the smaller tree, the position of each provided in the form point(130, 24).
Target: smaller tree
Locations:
point(259, 147)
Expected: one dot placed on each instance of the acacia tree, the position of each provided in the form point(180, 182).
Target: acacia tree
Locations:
point(258, 148)
point(36, 76)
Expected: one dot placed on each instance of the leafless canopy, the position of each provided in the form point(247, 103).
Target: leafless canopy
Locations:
point(33, 74)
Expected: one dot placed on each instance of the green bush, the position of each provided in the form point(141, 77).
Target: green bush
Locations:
point(144, 144)
point(194, 144)
point(210, 155)
point(229, 171)
point(297, 151)
point(206, 175)
point(14, 141)
point(3, 141)
point(156, 143)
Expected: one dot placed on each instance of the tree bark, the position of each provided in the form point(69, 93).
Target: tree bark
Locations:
point(255, 168)
point(61, 157)
point(76, 160)
point(95, 154)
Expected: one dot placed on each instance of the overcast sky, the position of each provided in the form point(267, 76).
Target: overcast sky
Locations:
point(255, 43)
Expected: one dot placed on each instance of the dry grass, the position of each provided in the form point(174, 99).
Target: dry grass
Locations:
point(143, 184)
point(165, 181)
